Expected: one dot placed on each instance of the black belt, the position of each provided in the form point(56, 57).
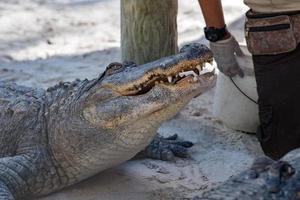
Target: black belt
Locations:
point(255, 15)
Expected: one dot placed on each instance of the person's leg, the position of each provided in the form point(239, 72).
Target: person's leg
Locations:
point(278, 86)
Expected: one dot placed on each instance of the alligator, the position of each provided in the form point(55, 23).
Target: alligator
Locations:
point(266, 179)
point(50, 139)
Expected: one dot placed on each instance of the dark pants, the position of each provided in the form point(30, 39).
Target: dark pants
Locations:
point(278, 86)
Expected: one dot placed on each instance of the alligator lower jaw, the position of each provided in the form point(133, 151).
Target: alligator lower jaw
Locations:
point(188, 71)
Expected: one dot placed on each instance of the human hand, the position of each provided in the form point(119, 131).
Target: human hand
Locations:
point(224, 54)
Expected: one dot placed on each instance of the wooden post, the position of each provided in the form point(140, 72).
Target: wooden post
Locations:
point(148, 29)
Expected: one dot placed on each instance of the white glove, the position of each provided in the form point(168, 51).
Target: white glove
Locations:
point(224, 52)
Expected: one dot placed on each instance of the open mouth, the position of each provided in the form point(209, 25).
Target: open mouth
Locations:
point(188, 71)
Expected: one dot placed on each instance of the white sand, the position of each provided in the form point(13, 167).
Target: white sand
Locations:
point(46, 41)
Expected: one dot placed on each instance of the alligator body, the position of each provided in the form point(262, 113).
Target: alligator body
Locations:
point(265, 180)
point(50, 139)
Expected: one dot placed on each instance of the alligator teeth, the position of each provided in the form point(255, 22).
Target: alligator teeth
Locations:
point(187, 73)
point(170, 79)
point(199, 67)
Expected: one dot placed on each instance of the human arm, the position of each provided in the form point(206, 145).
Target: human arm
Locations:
point(226, 47)
point(212, 13)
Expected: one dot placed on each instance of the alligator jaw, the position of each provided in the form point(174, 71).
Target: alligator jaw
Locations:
point(167, 71)
point(188, 72)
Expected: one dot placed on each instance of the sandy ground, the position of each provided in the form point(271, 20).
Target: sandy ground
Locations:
point(43, 42)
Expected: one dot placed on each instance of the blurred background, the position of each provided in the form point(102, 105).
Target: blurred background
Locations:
point(72, 36)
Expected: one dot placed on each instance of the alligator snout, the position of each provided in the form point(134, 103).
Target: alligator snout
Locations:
point(137, 80)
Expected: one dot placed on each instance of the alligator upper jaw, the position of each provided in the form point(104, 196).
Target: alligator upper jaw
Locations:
point(130, 81)
point(186, 73)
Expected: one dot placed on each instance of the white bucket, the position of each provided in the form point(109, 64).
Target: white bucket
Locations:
point(231, 106)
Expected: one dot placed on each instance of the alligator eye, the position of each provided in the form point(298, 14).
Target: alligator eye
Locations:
point(113, 68)
point(129, 64)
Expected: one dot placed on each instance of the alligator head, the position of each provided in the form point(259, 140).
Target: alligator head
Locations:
point(153, 92)
point(266, 179)
point(118, 114)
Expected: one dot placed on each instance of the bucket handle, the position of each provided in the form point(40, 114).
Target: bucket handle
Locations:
point(241, 91)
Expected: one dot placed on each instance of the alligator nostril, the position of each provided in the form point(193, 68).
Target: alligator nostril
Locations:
point(287, 171)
